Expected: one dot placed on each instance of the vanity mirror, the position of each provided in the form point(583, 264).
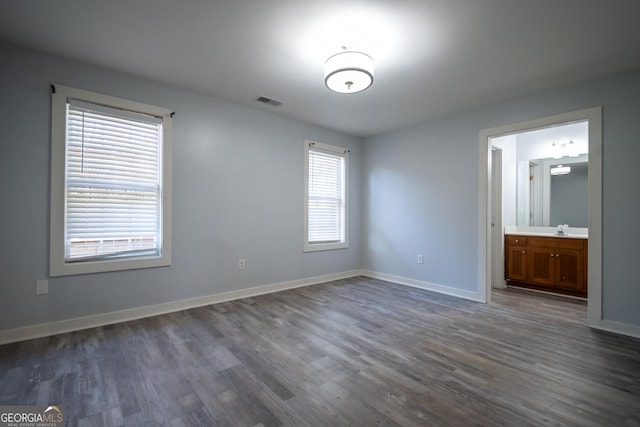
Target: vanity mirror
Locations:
point(544, 176)
point(553, 191)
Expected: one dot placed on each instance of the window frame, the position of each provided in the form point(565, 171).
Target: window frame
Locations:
point(344, 152)
point(58, 266)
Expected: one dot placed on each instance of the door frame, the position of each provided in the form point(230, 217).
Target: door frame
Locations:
point(497, 268)
point(594, 274)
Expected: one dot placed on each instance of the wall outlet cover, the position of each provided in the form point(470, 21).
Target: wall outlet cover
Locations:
point(42, 287)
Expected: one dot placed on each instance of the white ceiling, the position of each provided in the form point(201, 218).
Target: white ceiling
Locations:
point(432, 57)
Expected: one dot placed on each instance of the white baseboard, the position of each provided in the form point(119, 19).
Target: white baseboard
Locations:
point(461, 293)
point(605, 325)
point(618, 328)
point(79, 323)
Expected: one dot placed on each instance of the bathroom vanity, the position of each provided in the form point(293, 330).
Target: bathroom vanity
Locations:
point(543, 261)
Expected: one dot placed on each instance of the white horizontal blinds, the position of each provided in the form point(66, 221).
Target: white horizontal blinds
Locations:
point(326, 196)
point(112, 183)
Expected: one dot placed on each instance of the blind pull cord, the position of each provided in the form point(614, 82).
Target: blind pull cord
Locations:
point(82, 157)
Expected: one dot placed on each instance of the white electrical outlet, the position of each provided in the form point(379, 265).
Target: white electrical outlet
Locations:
point(241, 264)
point(42, 287)
point(420, 259)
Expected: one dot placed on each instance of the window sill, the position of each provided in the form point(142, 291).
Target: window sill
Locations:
point(310, 247)
point(63, 268)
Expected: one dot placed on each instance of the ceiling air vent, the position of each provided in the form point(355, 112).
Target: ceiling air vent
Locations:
point(269, 101)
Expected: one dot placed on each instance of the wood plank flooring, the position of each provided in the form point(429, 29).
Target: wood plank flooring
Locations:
point(359, 352)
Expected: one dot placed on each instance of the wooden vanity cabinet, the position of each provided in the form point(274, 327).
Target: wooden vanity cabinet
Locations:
point(516, 258)
point(556, 264)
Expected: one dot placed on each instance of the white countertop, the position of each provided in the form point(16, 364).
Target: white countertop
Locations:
point(570, 233)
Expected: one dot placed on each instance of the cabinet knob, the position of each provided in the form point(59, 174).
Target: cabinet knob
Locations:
point(517, 241)
point(550, 254)
point(557, 255)
point(524, 252)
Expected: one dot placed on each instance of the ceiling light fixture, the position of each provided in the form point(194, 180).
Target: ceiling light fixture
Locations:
point(348, 72)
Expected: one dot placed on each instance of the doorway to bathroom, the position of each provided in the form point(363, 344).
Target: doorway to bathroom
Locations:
point(521, 202)
point(540, 183)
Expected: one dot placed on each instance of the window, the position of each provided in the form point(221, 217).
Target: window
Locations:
point(110, 184)
point(325, 194)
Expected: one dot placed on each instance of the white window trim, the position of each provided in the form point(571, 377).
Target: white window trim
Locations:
point(57, 264)
point(312, 247)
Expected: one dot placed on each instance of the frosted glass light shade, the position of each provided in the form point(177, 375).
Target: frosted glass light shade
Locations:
point(348, 72)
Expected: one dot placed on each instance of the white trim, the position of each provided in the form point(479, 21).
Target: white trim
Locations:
point(79, 323)
point(334, 149)
point(441, 289)
point(497, 233)
point(618, 328)
point(594, 117)
point(57, 263)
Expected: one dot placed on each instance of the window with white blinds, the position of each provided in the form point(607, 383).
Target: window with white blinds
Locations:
point(325, 197)
point(112, 184)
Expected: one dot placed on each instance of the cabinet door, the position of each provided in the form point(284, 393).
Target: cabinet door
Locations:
point(516, 263)
point(570, 269)
point(542, 262)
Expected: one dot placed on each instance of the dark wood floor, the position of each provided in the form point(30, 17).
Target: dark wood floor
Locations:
point(358, 352)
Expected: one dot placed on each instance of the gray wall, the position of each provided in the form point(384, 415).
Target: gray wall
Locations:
point(420, 190)
point(418, 194)
point(237, 192)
